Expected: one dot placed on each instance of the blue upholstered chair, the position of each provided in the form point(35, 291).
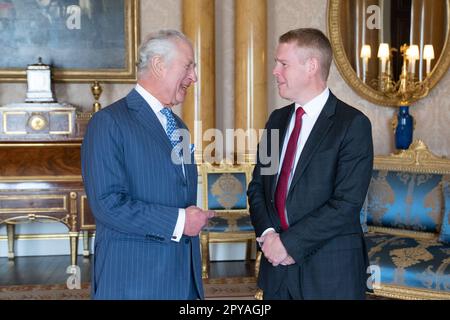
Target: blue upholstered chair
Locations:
point(225, 191)
point(406, 217)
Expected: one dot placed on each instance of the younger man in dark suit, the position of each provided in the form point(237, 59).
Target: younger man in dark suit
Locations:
point(306, 215)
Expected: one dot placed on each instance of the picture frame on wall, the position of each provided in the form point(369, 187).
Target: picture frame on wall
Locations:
point(81, 40)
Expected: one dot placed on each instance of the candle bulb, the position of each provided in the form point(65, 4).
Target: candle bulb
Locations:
point(383, 55)
point(366, 52)
point(428, 55)
point(413, 55)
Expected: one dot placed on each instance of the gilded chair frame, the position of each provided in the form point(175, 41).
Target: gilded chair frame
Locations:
point(232, 215)
point(417, 159)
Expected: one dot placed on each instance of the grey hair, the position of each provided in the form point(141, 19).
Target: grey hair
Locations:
point(161, 43)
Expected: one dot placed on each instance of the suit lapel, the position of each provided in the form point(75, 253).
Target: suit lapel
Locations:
point(190, 168)
point(149, 120)
point(318, 133)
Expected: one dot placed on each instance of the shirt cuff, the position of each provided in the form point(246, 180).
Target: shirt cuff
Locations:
point(264, 233)
point(267, 231)
point(179, 227)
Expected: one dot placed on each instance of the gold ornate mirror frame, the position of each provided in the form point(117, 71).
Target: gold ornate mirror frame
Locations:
point(349, 74)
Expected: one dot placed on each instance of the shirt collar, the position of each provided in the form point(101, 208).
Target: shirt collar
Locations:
point(154, 103)
point(315, 106)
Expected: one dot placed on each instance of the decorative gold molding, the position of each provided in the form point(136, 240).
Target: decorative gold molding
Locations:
point(37, 122)
point(82, 213)
point(5, 122)
point(219, 237)
point(231, 214)
point(207, 168)
point(124, 75)
point(418, 158)
point(349, 75)
point(259, 295)
point(73, 212)
point(36, 217)
point(396, 292)
point(234, 280)
point(12, 179)
point(84, 116)
point(39, 145)
point(406, 293)
point(5, 209)
point(49, 236)
point(405, 233)
point(70, 122)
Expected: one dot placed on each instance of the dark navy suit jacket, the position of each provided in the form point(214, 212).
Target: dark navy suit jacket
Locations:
point(323, 205)
point(135, 191)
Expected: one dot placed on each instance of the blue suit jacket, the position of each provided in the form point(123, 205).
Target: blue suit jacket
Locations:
point(135, 191)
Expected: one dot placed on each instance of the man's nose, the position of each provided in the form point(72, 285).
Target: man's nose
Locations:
point(194, 75)
point(275, 71)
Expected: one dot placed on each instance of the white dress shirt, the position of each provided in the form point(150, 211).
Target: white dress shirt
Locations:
point(312, 111)
point(156, 106)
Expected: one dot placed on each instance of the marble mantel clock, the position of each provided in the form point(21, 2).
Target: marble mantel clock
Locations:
point(39, 83)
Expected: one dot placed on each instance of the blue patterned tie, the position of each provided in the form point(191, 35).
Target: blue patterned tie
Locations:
point(171, 129)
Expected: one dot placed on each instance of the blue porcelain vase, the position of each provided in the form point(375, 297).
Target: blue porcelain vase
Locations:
point(404, 130)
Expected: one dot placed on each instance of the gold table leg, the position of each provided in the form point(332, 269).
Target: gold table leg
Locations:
point(204, 239)
point(10, 231)
point(73, 247)
point(86, 251)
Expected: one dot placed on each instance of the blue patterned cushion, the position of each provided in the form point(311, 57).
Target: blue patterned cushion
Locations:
point(421, 264)
point(405, 200)
point(222, 224)
point(445, 229)
point(227, 191)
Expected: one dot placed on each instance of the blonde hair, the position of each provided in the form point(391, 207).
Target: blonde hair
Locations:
point(316, 42)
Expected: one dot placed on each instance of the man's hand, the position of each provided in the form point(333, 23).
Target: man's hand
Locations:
point(273, 249)
point(288, 261)
point(196, 219)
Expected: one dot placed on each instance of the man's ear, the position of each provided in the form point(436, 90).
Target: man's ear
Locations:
point(157, 65)
point(313, 65)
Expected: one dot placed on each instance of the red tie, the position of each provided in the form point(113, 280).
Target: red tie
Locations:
point(283, 180)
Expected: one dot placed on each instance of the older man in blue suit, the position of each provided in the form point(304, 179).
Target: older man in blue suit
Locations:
point(141, 182)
